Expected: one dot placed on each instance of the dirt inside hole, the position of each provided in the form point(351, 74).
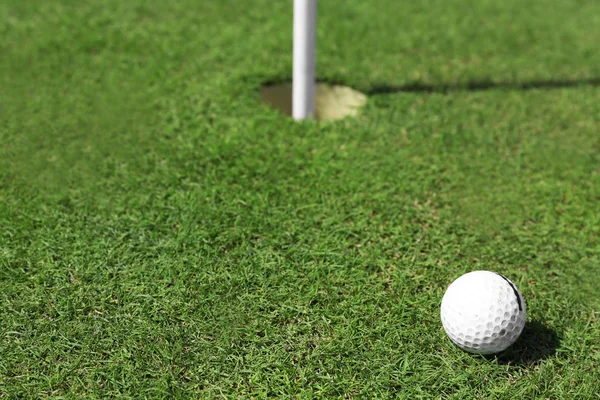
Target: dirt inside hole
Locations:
point(332, 102)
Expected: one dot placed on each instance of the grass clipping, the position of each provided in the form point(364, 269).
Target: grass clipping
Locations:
point(332, 102)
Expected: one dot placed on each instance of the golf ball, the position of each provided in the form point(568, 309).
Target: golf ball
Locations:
point(483, 312)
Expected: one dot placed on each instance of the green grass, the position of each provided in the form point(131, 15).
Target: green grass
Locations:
point(163, 234)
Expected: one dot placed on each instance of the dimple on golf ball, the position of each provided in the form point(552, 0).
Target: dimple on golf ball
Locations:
point(483, 312)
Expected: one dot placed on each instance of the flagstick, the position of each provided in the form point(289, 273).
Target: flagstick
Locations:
point(305, 40)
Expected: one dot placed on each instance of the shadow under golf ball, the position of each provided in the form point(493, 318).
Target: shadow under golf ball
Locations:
point(537, 342)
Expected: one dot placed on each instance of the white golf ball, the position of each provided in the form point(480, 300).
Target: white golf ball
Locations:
point(483, 312)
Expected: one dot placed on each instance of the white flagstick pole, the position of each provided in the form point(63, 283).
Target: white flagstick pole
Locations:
point(305, 41)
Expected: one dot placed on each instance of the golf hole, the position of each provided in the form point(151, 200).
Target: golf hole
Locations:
point(332, 102)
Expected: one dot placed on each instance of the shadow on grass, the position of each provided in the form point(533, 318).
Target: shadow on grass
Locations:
point(483, 85)
point(537, 342)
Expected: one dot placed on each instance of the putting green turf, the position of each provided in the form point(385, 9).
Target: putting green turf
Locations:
point(163, 234)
